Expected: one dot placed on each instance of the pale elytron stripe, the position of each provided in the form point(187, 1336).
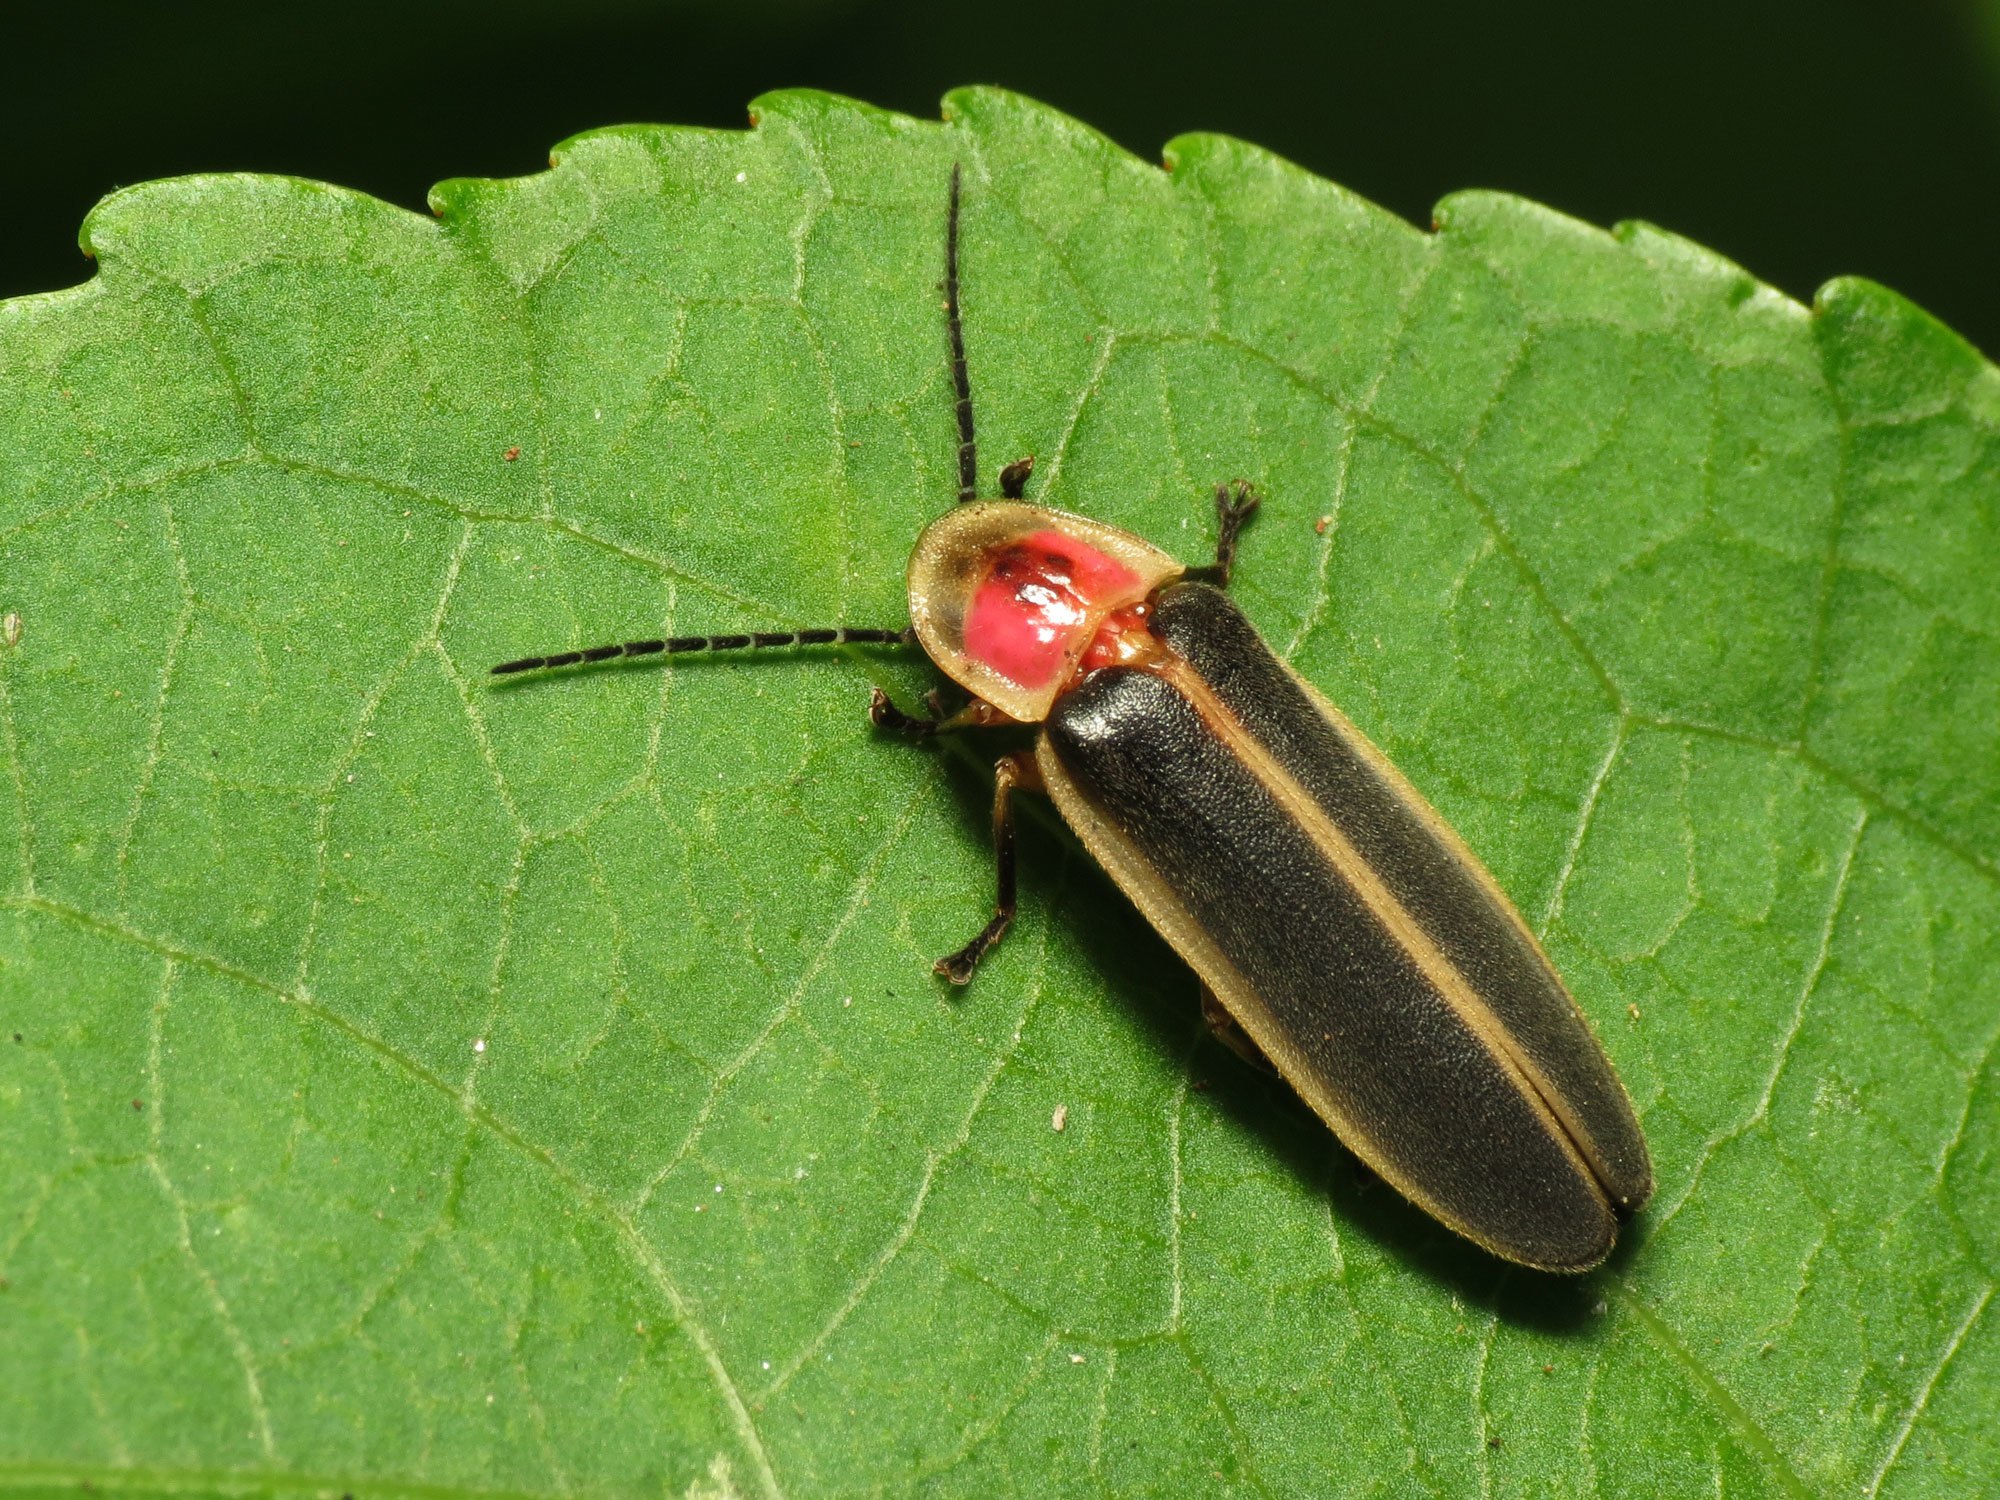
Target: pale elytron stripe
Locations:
point(1354, 868)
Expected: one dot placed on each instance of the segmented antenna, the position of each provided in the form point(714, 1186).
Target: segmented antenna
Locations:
point(968, 482)
point(674, 645)
point(968, 452)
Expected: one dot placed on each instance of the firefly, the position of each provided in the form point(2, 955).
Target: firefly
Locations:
point(1343, 933)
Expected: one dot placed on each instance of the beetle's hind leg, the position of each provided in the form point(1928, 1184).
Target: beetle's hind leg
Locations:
point(1222, 1026)
point(1235, 503)
point(1009, 772)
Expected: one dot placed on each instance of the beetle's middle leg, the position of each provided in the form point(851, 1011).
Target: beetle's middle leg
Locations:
point(1009, 772)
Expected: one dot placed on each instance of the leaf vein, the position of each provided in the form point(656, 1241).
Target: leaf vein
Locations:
point(1944, 1359)
point(906, 1226)
point(239, 1346)
point(789, 1007)
point(636, 1247)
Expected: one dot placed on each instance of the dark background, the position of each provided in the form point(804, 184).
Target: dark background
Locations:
point(1802, 138)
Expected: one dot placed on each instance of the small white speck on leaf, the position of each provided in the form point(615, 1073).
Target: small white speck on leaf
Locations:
point(1060, 1118)
point(350, 776)
point(1076, 1359)
point(479, 1045)
point(10, 629)
point(742, 176)
point(718, 1187)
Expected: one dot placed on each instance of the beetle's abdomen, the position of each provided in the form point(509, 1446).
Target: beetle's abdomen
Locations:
point(1342, 984)
point(1426, 867)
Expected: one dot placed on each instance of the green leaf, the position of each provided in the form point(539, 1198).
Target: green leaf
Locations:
point(426, 1087)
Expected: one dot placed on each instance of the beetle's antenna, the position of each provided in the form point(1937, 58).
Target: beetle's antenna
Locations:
point(675, 645)
point(968, 453)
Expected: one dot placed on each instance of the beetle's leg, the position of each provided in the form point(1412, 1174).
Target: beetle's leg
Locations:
point(978, 714)
point(1235, 502)
point(887, 716)
point(1009, 772)
point(1014, 478)
point(1222, 1026)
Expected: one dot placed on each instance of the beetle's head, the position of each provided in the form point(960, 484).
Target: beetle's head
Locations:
point(1012, 600)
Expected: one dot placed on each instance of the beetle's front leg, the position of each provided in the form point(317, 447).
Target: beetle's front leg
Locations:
point(1235, 502)
point(1014, 478)
point(885, 715)
point(978, 714)
point(1009, 772)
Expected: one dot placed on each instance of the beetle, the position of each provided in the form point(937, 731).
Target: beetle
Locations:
point(1342, 931)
